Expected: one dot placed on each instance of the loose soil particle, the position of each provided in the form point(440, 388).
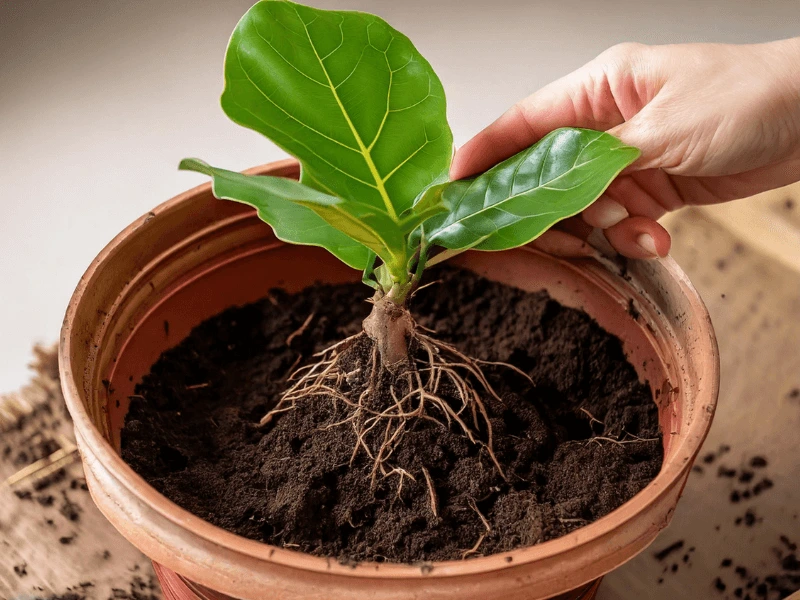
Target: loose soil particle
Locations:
point(780, 583)
point(34, 436)
point(192, 429)
point(736, 581)
point(672, 548)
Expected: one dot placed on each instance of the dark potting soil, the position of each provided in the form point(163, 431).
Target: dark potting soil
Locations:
point(573, 447)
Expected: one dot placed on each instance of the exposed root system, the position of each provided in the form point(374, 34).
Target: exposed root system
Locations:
point(367, 457)
point(380, 420)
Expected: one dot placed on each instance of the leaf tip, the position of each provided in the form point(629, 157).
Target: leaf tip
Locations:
point(194, 164)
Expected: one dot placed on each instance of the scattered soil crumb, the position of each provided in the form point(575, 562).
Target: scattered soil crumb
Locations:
point(781, 580)
point(672, 548)
point(69, 509)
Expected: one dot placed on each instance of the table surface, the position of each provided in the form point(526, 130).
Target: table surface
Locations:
point(750, 280)
point(98, 102)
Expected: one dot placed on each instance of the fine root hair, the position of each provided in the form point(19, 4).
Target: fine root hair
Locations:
point(438, 372)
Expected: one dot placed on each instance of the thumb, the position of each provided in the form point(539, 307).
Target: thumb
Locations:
point(572, 101)
point(645, 132)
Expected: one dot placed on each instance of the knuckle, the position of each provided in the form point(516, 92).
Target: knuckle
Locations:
point(625, 52)
point(524, 113)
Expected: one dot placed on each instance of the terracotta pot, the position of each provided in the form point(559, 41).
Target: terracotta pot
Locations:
point(194, 256)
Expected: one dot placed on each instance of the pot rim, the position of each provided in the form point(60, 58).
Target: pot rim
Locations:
point(687, 450)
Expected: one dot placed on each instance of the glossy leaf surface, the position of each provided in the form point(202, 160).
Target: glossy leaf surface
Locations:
point(285, 205)
point(346, 94)
point(516, 201)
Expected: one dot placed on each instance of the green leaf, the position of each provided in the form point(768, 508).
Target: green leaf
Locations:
point(516, 201)
point(429, 204)
point(346, 94)
point(368, 276)
point(367, 225)
point(285, 205)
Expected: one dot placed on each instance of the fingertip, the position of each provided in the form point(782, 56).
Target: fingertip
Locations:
point(639, 237)
point(462, 161)
point(604, 213)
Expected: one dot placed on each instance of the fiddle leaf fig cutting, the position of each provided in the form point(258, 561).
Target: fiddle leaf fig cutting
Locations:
point(364, 113)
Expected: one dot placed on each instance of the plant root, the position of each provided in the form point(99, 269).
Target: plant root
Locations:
point(474, 549)
point(592, 418)
point(621, 442)
point(624, 438)
point(300, 330)
point(432, 492)
point(436, 371)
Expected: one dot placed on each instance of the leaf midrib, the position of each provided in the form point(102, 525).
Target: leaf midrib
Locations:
point(365, 152)
point(539, 186)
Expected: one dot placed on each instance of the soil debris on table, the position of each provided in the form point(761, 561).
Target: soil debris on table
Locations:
point(666, 552)
point(47, 517)
point(576, 445)
point(781, 581)
point(138, 588)
point(775, 579)
point(674, 565)
point(748, 481)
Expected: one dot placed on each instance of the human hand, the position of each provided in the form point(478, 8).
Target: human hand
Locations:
point(714, 123)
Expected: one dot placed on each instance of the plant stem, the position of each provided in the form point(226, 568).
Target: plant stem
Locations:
point(390, 325)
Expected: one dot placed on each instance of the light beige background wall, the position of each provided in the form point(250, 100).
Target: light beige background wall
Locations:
point(100, 99)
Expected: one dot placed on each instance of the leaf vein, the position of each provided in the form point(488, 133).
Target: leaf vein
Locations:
point(365, 153)
point(310, 150)
point(284, 59)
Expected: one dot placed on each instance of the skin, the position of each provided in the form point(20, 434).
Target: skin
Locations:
point(714, 123)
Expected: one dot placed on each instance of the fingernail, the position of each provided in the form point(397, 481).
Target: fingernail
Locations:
point(647, 243)
point(609, 213)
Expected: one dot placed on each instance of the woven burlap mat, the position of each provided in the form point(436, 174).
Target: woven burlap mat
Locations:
point(54, 543)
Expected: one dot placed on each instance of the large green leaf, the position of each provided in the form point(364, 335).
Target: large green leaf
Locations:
point(516, 201)
point(346, 94)
point(365, 224)
point(430, 203)
point(286, 205)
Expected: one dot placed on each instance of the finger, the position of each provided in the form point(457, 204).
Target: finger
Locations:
point(562, 244)
point(637, 200)
point(654, 136)
point(605, 212)
point(710, 190)
point(639, 237)
point(644, 194)
point(657, 186)
point(574, 226)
